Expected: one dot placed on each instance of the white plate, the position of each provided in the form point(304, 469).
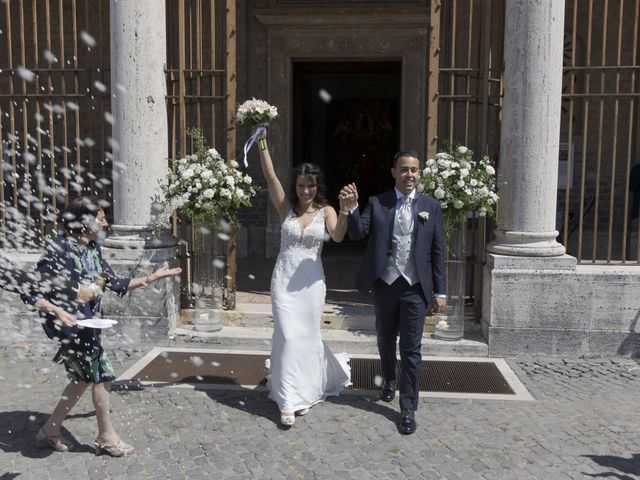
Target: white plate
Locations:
point(97, 323)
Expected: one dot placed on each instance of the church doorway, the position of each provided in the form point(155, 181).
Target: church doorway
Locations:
point(346, 119)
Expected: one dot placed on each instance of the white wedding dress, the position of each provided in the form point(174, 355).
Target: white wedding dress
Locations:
point(302, 369)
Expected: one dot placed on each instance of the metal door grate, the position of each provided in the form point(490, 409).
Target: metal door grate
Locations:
point(249, 369)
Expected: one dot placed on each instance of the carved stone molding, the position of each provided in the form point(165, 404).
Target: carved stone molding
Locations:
point(331, 18)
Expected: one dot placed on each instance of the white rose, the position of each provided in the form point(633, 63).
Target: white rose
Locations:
point(420, 187)
point(458, 204)
point(473, 182)
point(432, 185)
point(482, 212)
point(430, 162)
point(188, 173)
point(446, 174)
point(198, 186)
point(225, 192)
point(247, 179)
point(439, 193)
point(208, 193)
point(462, 149)
point(240, 193)
point(460, 183)
point(490, 170)
point(464, 172)
point(484, 192)
point(443, 205)
point(233, 164)
point(213, 152)
point(207, 174)
point(230, 180)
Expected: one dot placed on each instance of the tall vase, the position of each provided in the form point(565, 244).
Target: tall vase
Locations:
point(450, 323)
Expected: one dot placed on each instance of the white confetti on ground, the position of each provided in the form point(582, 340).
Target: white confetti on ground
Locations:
point(377, 381)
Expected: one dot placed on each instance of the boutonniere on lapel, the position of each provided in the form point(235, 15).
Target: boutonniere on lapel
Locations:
point(423, 216)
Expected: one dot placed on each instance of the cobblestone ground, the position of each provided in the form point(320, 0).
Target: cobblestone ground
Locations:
point(583, 424)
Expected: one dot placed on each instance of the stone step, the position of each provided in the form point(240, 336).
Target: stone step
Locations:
point(349, 329)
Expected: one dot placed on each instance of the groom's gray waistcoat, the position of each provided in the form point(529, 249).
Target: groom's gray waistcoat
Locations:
point(401, 261)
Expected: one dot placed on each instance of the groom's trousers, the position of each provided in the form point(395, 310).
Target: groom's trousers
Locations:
point(400, 310)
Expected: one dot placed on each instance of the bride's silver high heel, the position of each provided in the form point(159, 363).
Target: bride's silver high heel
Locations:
point(287, 419)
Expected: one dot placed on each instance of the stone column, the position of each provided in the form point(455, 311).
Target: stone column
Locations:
point(530, 132)
point(140, 152)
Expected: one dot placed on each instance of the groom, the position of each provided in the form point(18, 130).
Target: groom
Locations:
point(404, 266)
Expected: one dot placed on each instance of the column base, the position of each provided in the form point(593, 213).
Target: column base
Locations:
point(526, 244)
point(134, 251)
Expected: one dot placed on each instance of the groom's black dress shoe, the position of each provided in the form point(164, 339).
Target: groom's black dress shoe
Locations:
point(388, 392)
point(407, 424)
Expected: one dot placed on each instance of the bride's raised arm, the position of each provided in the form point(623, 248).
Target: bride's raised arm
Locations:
point(276, 192)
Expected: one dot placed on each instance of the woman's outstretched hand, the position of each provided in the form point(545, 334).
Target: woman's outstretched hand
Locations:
point(164, 271)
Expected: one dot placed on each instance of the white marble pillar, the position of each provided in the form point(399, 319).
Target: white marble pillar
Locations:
point(140, 129)
point(140, 152)
point(530, 132)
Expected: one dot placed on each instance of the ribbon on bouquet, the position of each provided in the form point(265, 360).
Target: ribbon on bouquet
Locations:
point(253, 139)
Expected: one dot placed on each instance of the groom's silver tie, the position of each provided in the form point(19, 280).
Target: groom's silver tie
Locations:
point(404, 214)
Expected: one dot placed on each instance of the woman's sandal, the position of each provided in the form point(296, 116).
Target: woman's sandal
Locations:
point(54, 442)
point(287, 419)
point(302, 412)
point(120, 449)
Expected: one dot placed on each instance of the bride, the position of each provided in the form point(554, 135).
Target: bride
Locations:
point(302, 369)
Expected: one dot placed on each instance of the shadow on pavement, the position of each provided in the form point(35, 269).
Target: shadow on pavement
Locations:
point(18, 432)
point(256, 402)
point(629, 468)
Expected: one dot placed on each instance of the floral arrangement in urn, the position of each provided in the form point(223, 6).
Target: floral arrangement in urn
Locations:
point(206, 186)
point(461, 184)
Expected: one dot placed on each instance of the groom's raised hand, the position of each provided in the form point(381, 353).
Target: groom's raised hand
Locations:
point(349, 196)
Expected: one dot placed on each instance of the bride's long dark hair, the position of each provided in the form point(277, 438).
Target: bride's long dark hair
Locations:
point(314, 176)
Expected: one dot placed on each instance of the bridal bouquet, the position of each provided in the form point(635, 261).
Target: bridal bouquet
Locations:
point(207, 187)
point(254, 113)
point(461, 184)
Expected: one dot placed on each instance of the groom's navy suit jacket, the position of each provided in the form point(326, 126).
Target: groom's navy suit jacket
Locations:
point(428, 243)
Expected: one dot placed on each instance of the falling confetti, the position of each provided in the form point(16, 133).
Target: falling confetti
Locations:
point(87, 39)
point(324, 95)
point(26, 74)
point(218, 263)
point(100, 86)
point(197, 361)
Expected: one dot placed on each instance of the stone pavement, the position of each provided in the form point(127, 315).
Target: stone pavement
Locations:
point(583, 424)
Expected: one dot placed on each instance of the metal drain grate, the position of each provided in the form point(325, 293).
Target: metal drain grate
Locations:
point(249, 369)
